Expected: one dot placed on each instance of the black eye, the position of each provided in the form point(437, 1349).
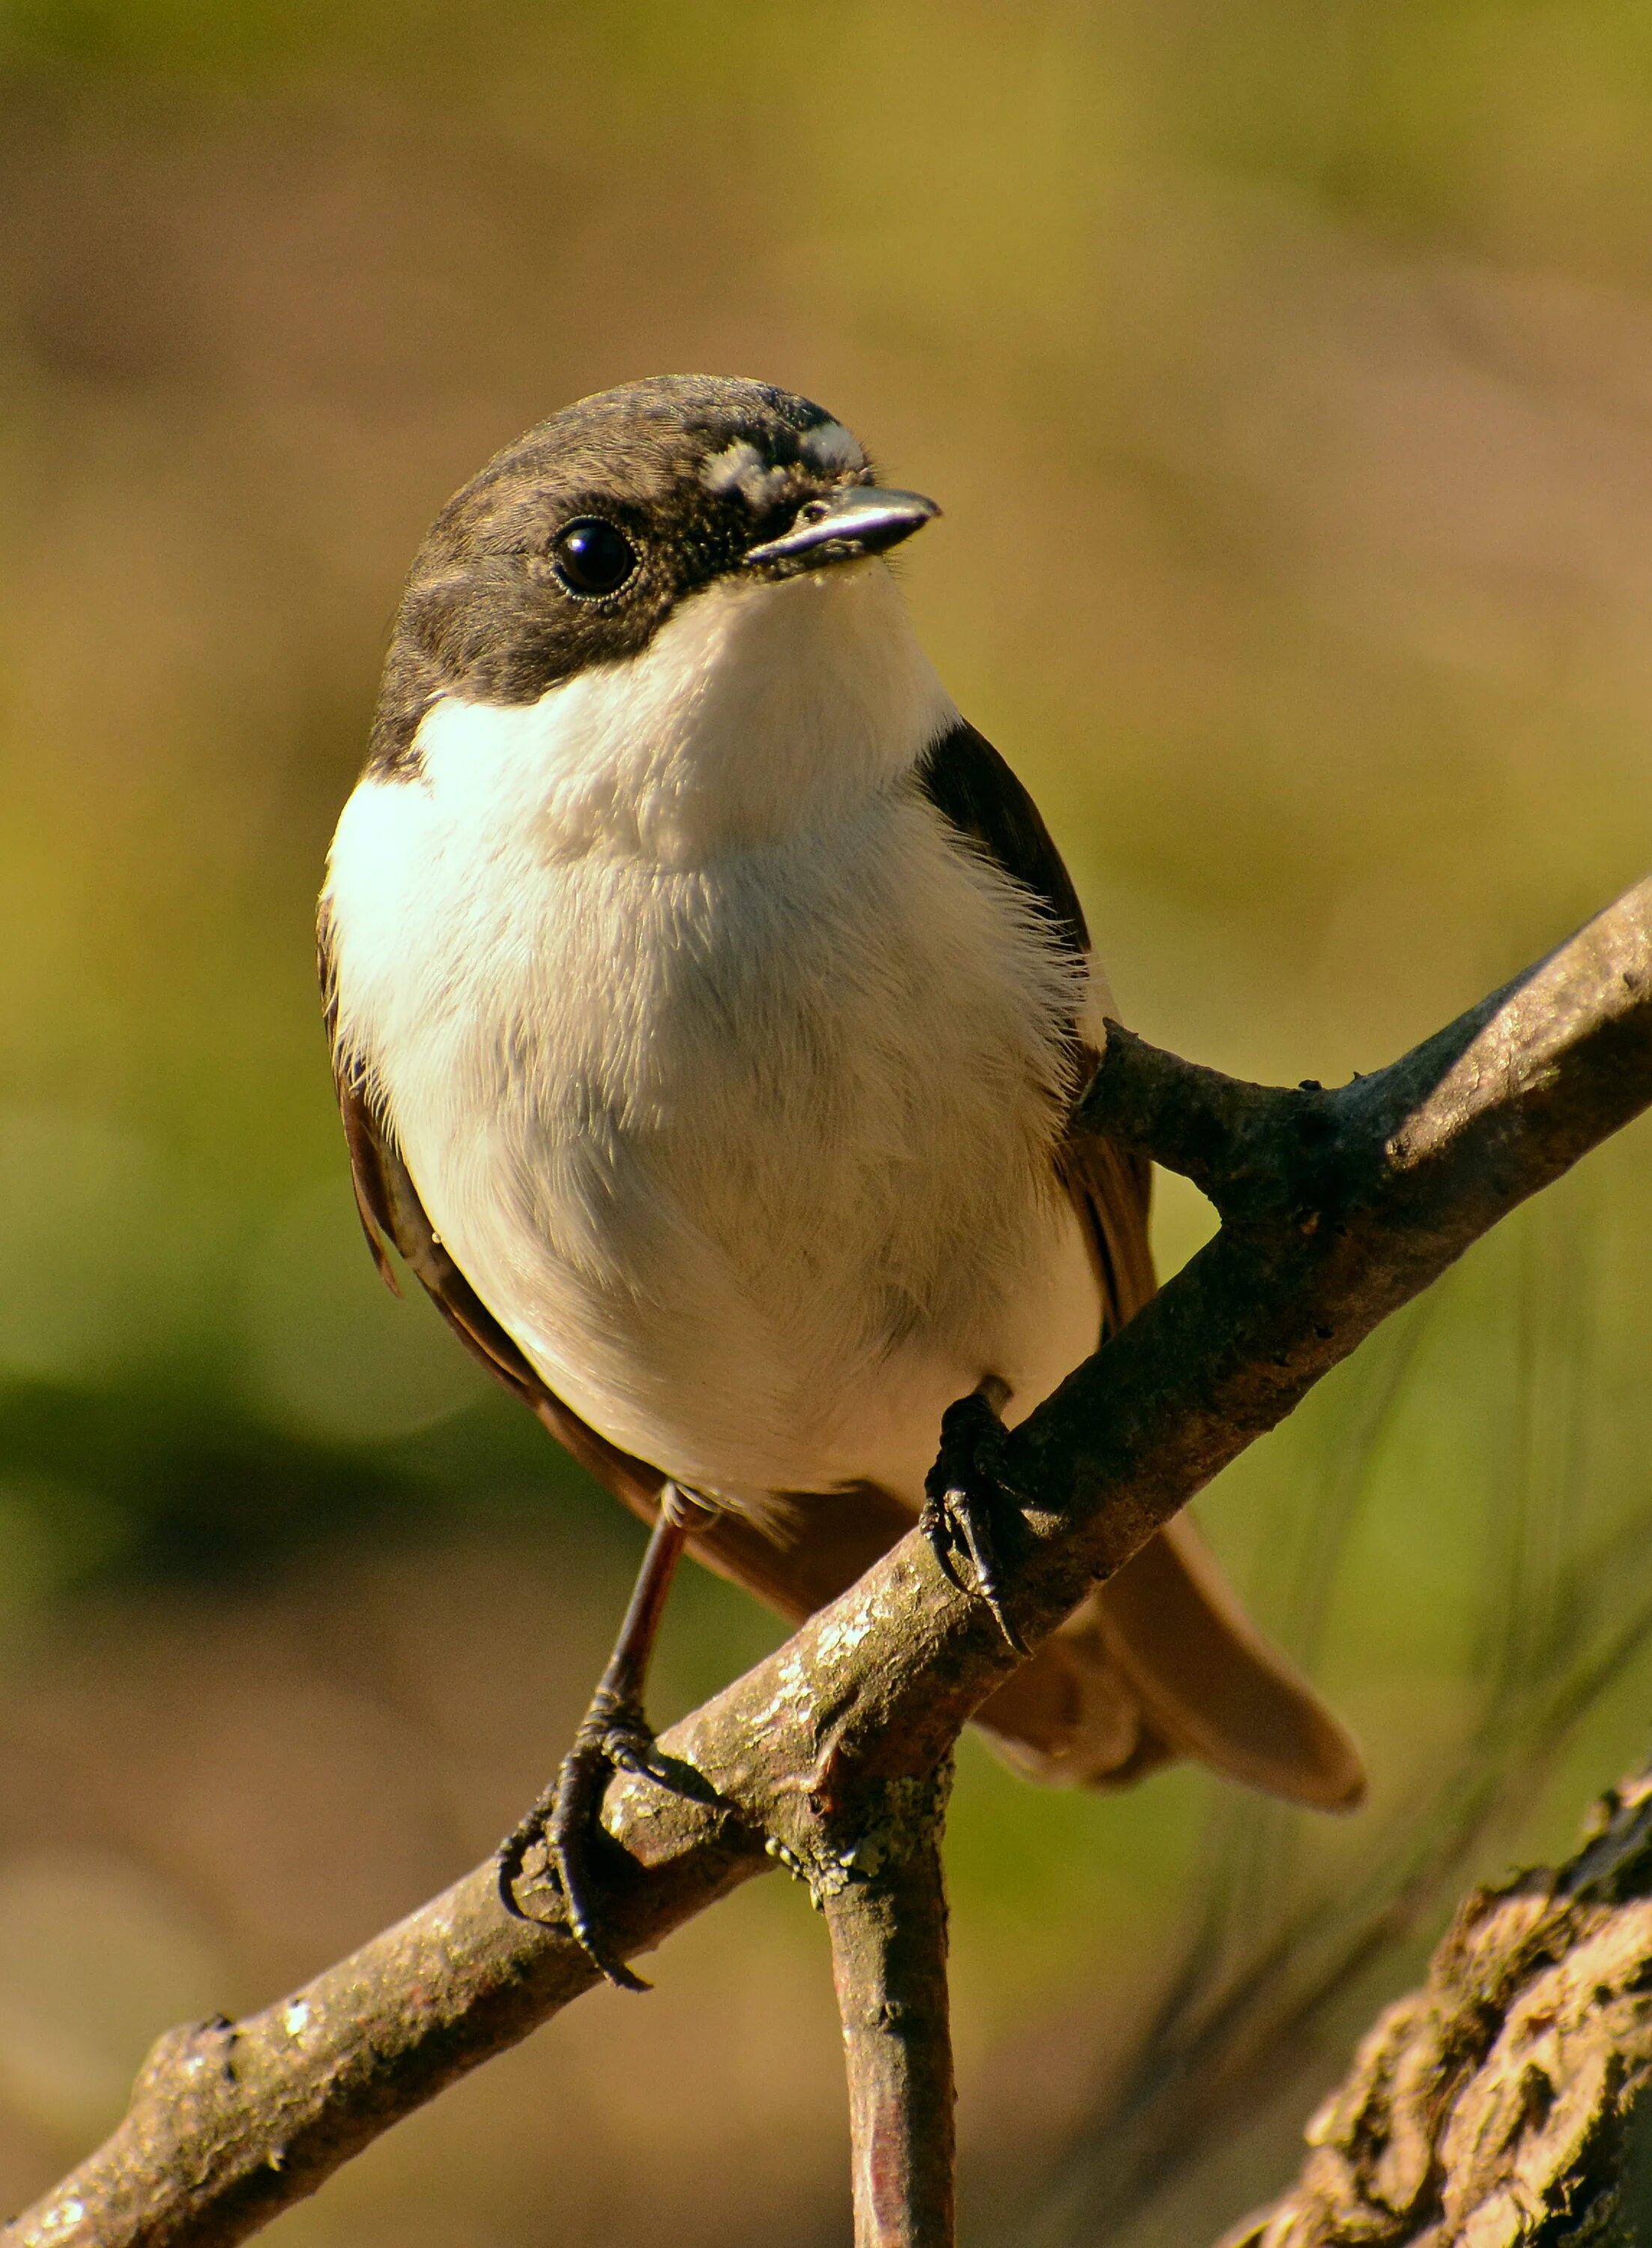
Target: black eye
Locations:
point(592, 558)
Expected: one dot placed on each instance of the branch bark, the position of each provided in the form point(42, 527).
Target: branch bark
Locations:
point(1503, 2102)
point(888, 1921)
point(1337, 1207)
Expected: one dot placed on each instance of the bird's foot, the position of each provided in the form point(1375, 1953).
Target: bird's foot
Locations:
point(964, 1491)
point(614, 1736)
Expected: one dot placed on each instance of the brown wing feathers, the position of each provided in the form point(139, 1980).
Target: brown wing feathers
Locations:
point(1162, 1660)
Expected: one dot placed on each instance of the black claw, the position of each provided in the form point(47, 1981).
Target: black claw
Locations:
point(975, 1523)
point(938, 1526)
point(963, 1492)
point(512, 1853)
point(614, 1736)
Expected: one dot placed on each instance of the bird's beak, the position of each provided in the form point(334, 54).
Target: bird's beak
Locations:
point(859, 519)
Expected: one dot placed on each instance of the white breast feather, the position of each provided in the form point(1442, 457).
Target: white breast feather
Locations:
point(730, 1078)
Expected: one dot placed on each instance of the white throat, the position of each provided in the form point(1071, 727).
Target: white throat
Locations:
point(757, 709)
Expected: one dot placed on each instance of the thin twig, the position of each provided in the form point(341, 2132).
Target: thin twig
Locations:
point(888, 1921)
point(1337, 1207)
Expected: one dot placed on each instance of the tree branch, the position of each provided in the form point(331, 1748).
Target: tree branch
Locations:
point(887, 1917)
point(1496, 2104)
point(1337, 1208)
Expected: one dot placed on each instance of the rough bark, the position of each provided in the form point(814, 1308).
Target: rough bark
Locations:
point(1337, 1207)
point(1504, 2104)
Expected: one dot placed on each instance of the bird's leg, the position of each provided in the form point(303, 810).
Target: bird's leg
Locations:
point(964, 1490)
point(614, 1736)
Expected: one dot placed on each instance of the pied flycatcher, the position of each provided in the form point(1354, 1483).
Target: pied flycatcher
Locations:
point(708, 1001)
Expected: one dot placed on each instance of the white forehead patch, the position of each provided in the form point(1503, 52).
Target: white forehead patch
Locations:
point(724, 470)
point(739, 468)
point(831, 446)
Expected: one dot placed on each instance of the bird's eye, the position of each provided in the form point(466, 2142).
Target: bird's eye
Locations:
point(591, 558)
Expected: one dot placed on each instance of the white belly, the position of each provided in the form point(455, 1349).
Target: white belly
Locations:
point(736, 1104)
point(755, 1164)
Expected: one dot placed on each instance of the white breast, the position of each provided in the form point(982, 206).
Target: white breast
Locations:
point(729, 1077)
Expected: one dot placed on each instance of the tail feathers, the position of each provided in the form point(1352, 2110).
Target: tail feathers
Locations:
point(1161, 1662)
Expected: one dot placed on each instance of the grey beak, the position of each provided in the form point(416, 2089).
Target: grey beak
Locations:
point(861, 519)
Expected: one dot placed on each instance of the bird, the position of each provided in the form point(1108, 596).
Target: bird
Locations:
point(708, 1003)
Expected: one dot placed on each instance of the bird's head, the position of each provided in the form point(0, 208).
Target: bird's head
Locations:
point(578, 544)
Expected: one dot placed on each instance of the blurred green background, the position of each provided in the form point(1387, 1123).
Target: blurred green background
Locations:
point(1285, 372)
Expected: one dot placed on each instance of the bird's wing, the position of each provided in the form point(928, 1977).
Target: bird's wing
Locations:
point(1162, 1660)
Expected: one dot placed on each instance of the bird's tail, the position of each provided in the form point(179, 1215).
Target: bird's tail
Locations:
point(1161, 1662)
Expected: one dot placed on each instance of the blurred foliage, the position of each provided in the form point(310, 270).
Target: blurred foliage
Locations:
point(1284, 373)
